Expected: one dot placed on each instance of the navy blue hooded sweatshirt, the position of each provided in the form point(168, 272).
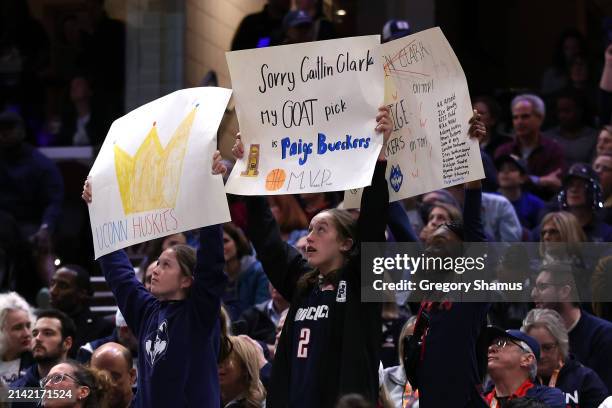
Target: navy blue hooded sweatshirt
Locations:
point(178, 340)
point(582, 386)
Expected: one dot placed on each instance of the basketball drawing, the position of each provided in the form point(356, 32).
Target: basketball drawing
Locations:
point(275, 179)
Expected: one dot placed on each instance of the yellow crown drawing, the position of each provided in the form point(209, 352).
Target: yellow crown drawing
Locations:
point(150, 180)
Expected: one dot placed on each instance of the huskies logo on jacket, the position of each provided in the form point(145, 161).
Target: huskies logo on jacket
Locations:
point(157, 343)
point(396, 178)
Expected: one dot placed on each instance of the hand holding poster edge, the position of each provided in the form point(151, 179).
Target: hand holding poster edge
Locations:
point(140, 201)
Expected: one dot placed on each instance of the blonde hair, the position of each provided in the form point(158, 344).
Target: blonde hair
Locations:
point(246, 354)
point(11, 301)
point(407, 330)
point(570, 232)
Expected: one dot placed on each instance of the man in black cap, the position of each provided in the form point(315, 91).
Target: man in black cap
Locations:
point(297, 26)
point(511, 176)
point(261, 29)
point(512, 363)
point(394, 29)
point(581, 195)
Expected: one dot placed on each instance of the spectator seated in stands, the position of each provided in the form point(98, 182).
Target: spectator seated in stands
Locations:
point(15, 337)
point(88, 387)
point(70, 292)
point(604, 141)
point(513, 365)
point(603, 167)
point(544, 156)
point(122, 335)
point(239, 375)
point(500, 221)
point(490, 112)
point(259, 322)
point(31, 187)
point(581, 195)
point(85, 124)
point(557, 367)
point(571, 43)
point(117, 361)
point(247, 282)
point(511, 176)
point(590, 338)
point(289, 216)
point(52, 337)
point(398, 388)
point(573, 133)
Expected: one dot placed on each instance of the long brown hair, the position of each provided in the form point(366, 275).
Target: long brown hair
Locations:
point(346, 227)
point(243, 246)
point(186, 258)
point(291, 216)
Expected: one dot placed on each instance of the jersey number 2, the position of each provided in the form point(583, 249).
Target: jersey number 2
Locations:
point(302, 351)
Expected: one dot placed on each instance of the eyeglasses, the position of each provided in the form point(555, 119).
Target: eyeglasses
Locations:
point(56, 379)
point(599, 168)
point(503, 342)
point(548, 347)
point(542, 286)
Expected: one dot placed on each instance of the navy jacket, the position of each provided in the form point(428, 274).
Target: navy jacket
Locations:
point(29, 379)
point(449, 370)
point(591, 342)
point(178, 340)
point(582, 386)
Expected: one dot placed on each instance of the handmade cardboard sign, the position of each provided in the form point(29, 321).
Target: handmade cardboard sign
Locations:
point(153, 177)
point(427, 94)
point(307, 116)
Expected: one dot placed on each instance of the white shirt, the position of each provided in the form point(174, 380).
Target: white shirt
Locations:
point(81, 138)
point(9, 370)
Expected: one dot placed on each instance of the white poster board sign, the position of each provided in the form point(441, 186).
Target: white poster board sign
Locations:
point(427, 93)
point(307, 116)
point(152, 177)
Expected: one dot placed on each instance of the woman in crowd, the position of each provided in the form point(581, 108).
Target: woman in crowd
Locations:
point(86, 387)
point(560, 238)
point(330, 344)
point(15, 336)
point(397, 385)
point(604, 141)
point(556, 366)
point(239, 376)
point(177, 322)
point(247, 282)
point(490, 113)
point(290, 217)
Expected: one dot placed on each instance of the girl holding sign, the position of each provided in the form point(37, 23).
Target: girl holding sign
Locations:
point(330, 344)
point(177, 322)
